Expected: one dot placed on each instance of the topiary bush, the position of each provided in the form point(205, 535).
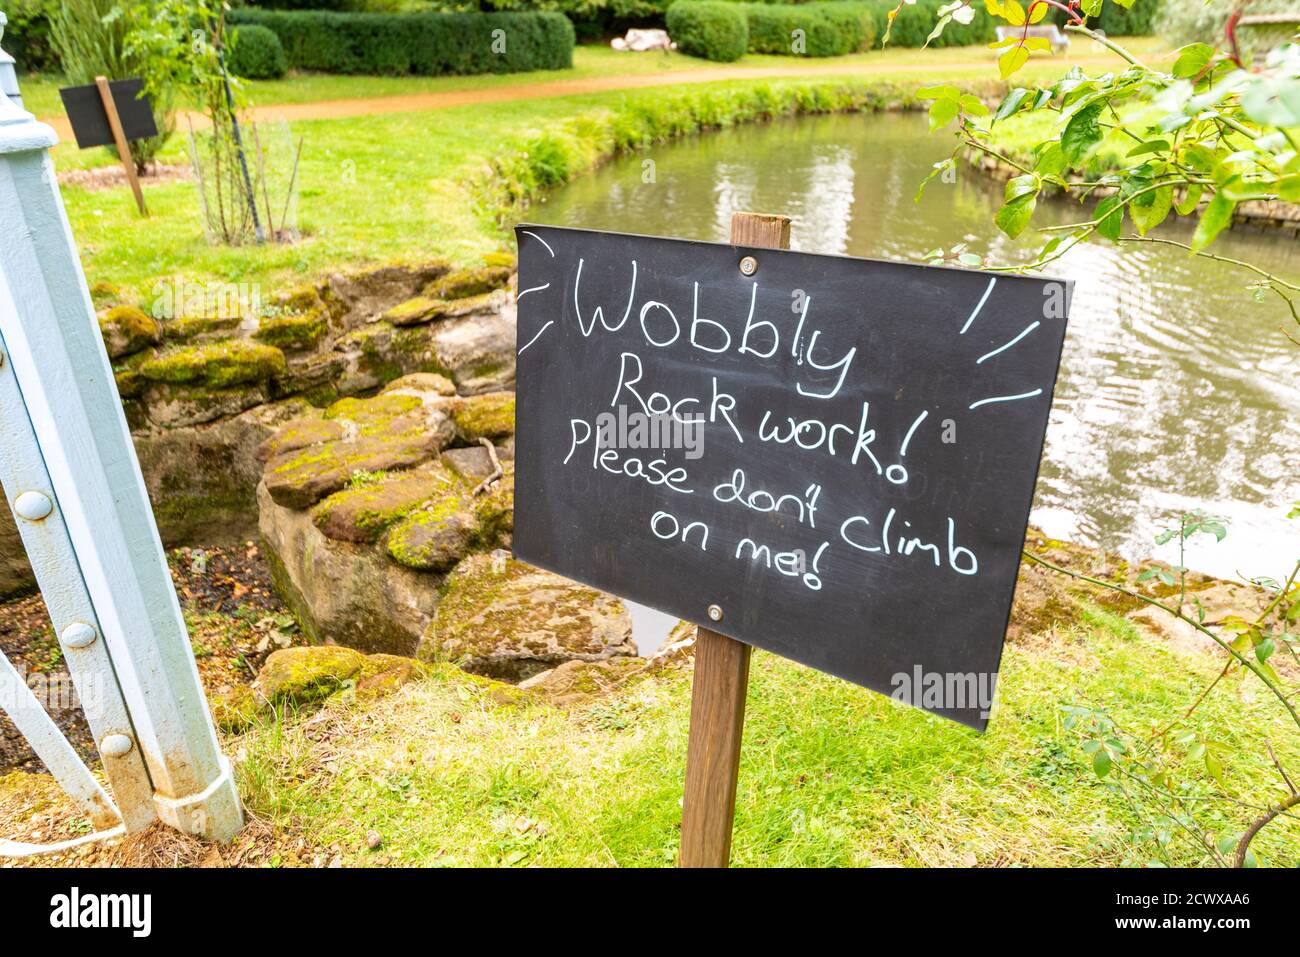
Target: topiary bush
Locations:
point(812, 29)
point(710, 29)
point(428, 44)
point(257, 54)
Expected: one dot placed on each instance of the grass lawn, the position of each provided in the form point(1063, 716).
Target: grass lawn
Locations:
point(831, 774)
point(396, 186)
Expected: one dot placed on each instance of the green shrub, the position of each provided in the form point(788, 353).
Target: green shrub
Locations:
point(27, 37)
point(429, 44)
point(256, 54)
point(711, 29)
point(915, 21)
point(828, 29)
point(92, 40)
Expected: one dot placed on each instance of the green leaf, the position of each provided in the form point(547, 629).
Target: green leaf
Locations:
point(1147, 218)
point(1191, 199)
point(1082, 133)
point(973, 105)
point(1051, 161)
point(942, 112)
point(1091, 7)
point(1216, 218)
point(1215, 767)
point(1150, 146)
point(1010, 103)
point(1101, 763)
point(1014, 216)
point(1192, 60)
point(1012, 60)
point(1110, 217)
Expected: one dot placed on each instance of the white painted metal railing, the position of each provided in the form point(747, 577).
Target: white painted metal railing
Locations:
point(70, 474)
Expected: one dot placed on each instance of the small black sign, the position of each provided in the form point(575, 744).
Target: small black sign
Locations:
point(89, 119)
point(836, 455)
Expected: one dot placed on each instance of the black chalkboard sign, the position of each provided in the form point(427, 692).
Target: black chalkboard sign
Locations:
point(835, 455)
point(89, 120)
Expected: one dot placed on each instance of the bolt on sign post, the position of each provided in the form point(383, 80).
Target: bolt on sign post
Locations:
point(113, 114)
point(829, 458)
point(71, 477)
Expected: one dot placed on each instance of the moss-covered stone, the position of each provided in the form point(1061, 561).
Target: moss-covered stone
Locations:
point(188, 328)
point(374, 414)
point(382, 674)
point(429, 382)
point(216, 365)
point(415, 311)
point(578, 683)
point(361, 514)
point(128, 330)
point(468, 282)
point(293, 333)
point(509, 620)
point(439, 533)
point(301, 478)
point(129, 383)
point(490, 416)
point(238, 709)
point(299, 434)
point(501, 259)
point(307, 674)
point(104, 294)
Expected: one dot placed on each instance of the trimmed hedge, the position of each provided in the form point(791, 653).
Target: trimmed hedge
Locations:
point(829, 29)
point(711, 29)
point(428, 44)
point(257, 54)
point(916, 20)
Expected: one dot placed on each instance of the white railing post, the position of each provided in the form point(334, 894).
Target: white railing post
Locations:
point(52, 339)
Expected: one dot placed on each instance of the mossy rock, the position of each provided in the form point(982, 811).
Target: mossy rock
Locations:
point(104, 294)
point(361, 514)
point(577, 683)
point(468, 282)
point(415, 311)
point(127, 330)
point(308, 674)
point(187, 328)
point(302, 478)
point(508, 620)
point(430, 382)
point(439, 533)
point(216, 365)
point(238, 710)
point(293, 333)
point(299, 434)
point(129, 383)
point(374, 414)
point(501, 259)
point(382, 674)
point(489, 416)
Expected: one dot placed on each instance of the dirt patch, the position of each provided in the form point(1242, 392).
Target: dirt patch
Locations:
point(235, 622)
point(111, 177)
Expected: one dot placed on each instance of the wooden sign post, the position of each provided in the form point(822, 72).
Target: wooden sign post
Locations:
point(721, 678)
point(119, 140)
point(829, 458)
point(112, 113)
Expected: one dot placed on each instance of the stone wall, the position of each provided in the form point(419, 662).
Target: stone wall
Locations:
point(202, 392)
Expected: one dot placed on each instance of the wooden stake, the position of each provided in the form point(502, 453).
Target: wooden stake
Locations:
point(721, 675)
point(119, 140)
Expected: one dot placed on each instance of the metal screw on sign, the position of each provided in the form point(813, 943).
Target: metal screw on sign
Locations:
point(715, 613)
point(749, 266)
point(33, 506)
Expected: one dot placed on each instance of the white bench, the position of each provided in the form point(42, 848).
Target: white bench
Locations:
point(1049, 32)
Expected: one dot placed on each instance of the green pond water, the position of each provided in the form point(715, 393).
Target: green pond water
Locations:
point(1177, 392)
